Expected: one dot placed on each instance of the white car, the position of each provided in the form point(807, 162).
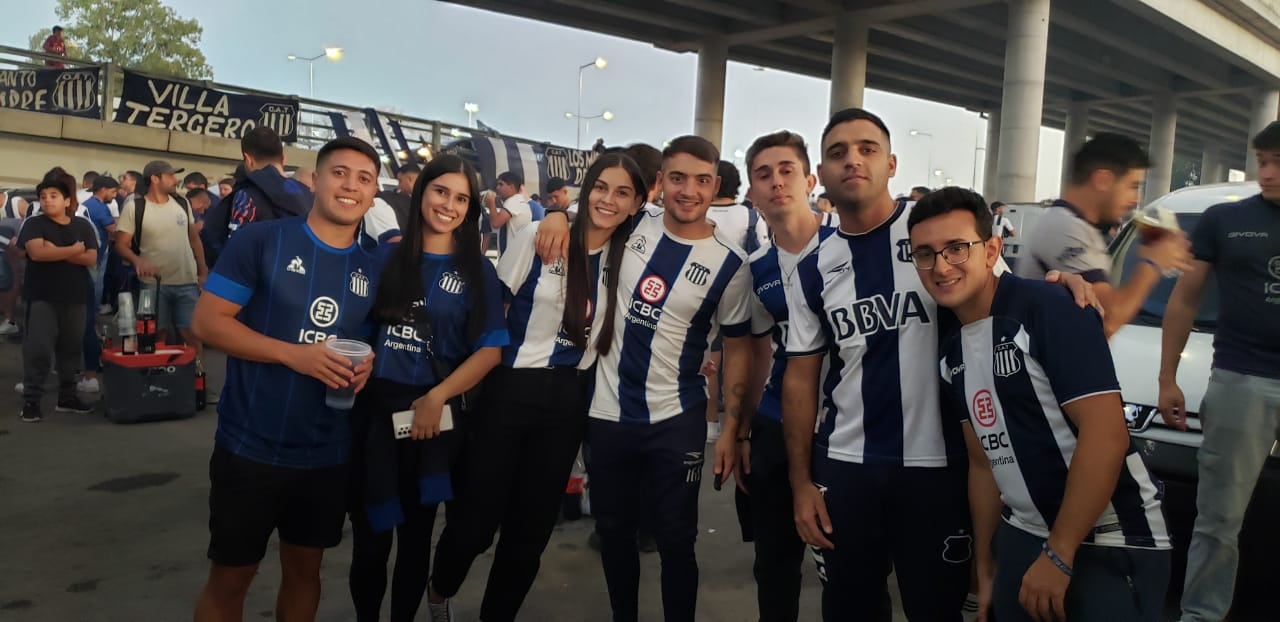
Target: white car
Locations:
point(1170, 453)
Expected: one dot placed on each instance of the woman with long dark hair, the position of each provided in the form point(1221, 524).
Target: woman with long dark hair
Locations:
point(533, 418)
point(440, 330)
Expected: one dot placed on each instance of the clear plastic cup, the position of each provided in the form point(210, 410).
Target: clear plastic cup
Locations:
point(355, 351)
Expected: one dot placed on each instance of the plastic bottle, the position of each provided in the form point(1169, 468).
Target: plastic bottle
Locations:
point(125, 324)
point(147, 321)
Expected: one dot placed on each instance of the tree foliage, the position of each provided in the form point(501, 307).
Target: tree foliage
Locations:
point(141, 34)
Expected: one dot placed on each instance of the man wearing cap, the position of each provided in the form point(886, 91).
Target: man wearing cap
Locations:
point(96, 209)
point(158, 235)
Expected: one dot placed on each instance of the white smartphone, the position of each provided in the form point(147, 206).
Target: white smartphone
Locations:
point(402, 422)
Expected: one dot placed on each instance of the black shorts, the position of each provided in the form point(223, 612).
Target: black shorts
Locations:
point(249, 500)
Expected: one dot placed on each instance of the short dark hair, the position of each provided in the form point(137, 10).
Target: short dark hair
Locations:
point(511, 178)
point(230, 181)
point(783, 138)
point(648, 158)
point(56, 182)
point(89, 176)
point(921, 189)
point(695, 146)
point(995, 205)
point(134, 175)
point(950, 199)
point(730, 180)
point(196, 178)
point(57, 29)
point(556, 183)
point(1268, 139)
point(849, 115)
point(1107, 151)
point(195, 192)
point(410, 168)
point(263, 143)
point(535, 198)
point(350, 143)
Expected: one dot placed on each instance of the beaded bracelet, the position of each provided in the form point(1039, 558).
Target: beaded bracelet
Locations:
point(1057, 561)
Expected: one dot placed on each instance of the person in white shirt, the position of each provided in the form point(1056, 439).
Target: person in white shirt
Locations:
point(513, 213)
point(1001, 226)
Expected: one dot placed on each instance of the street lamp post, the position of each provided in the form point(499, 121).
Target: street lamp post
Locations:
point(930, 137)
point(580, 120)
point(333, 54)
point(598, 63)
point(471, 108)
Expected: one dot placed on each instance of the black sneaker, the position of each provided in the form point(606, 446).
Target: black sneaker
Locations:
point(31, 413)
point(73, 405)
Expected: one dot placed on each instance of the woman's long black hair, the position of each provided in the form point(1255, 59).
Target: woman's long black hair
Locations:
point(580, 285)
point(401, 283)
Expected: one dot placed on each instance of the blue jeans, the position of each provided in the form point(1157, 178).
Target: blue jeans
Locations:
point(174, 305)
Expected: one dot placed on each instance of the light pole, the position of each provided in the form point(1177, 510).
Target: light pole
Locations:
point(580, 120)
point(598, 63)
point(333, 54)
point(930, 137)
point(471, 108)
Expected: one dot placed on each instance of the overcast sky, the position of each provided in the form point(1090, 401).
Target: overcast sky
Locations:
point(426, 59)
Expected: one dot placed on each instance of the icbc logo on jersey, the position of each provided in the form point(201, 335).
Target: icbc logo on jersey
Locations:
point(653, 289)
point(984, 409)
point(324, 313)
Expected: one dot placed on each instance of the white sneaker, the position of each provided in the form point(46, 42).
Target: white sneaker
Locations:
point(713, 431)
point(440, 612)
point(104, 310)
point(969, 613)
point(8, 328)
point(88, 385)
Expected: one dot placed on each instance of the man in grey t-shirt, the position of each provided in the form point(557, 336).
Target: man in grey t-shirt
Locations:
point(1106, 178)
point(1239, 244)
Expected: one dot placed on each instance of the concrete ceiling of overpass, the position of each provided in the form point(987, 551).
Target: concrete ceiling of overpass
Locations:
point(952, 51)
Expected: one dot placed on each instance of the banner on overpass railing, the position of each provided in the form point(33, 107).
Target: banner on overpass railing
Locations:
point(179, 106)
point(54, 91)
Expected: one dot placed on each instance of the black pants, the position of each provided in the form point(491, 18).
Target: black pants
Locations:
point(370, 551)
point(1110, 583)
point(651, 472)
point(779, 549)
point(55, 332)
point(912, 520)
point(520, 449)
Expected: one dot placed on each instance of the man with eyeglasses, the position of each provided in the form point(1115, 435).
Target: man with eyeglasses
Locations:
point(1030, 379)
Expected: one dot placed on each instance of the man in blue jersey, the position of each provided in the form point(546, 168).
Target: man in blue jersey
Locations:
point(1031, 379)
point(680, 280)
point(280, 290)
point(1239, 245)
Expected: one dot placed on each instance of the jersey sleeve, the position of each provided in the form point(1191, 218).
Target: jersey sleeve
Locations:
point(380, 222)
point(734, 311)
point(515, 265)
point(805, 335)
point(954, 405)
point(762, 321)
point(237, 273)
point(516, 207)
point(1075, 252)
point(1069, 344)
point(495, 321)
point(1204, 238)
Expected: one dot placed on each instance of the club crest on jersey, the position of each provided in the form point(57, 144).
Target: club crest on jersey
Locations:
point(638, 245)
point(359, 284)
point(451, 282)
point(557, 268)
point(1007, 359)
point(296, 267)
point(697, 273)
point(653, 289)
point(984, 408)
point(904, 251)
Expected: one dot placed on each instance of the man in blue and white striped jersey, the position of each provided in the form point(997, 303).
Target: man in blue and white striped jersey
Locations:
point(1030, 377)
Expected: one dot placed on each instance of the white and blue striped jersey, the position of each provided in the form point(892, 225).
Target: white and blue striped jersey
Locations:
point(673, 295)
point(535, 296)
point(741, 224)
point(859, 299)
point(770, 266)
point(1010, 375)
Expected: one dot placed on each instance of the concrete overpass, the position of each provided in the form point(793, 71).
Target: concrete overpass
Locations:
point(1190, 77)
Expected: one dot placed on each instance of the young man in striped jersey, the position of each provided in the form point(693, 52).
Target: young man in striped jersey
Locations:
point(1031, 378)
point(880, 441)
point(681, 280)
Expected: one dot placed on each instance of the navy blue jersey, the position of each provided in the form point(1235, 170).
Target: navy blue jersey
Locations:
point(295, 288)
point(1010, 375)
point(770, 266)
point(404, 355)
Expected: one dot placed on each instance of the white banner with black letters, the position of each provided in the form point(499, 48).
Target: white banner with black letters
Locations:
point(187, 107)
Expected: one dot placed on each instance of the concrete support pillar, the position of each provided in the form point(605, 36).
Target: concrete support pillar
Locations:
point(1077, 131)
point(1164, 125)
point(1266, 106)
point(848, 63)
point(1211, 169)
point(992, 155)
point(708, 116)
point(1026, 49)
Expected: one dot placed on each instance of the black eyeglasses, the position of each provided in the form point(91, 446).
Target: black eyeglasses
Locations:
point(954, 254)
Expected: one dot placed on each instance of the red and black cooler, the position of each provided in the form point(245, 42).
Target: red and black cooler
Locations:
point(149, 387)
